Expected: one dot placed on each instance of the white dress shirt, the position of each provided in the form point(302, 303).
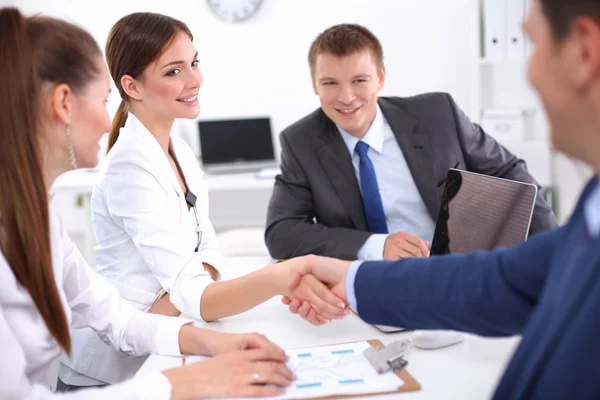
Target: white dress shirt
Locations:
point(403, 205)
point(146, 239)
point(28, 349)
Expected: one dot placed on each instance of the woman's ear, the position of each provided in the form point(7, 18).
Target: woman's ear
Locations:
point(131, 87)
point(61, 102)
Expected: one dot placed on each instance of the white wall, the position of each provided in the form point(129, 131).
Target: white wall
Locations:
point(259, 67)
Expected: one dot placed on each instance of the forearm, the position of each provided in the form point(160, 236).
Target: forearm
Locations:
point(293, 237)
point(232, 297)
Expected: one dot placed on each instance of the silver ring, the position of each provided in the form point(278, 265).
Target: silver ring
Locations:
point(256, 377)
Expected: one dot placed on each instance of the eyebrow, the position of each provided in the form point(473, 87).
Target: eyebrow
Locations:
point(325, 79)
point(178, 61)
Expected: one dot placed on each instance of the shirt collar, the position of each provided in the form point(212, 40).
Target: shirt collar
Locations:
point(591, 211)
point(374, 136)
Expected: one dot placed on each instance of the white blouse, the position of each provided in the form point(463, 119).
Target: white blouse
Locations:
point(146, 240)
point(28, 349)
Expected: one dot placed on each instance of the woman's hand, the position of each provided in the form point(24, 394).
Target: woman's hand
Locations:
point(220, 342)
point(242, 373)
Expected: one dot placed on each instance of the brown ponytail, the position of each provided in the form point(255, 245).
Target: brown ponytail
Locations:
point(118, 122)
point(35, 51)
point(25, 239)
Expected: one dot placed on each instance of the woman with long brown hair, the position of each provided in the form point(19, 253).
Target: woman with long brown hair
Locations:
point(54, 86)
point(150, 204)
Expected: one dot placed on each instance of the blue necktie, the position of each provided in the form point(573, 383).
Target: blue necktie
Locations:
point(370, 191)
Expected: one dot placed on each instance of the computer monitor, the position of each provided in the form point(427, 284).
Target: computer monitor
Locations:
point(236, 145)
point(481, 212)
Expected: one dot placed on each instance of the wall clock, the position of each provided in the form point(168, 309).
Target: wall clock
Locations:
point(234, 10)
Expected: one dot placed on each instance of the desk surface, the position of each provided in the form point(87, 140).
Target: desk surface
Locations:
point(469, 370)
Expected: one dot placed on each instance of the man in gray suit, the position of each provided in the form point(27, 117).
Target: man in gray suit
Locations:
point(363, 176)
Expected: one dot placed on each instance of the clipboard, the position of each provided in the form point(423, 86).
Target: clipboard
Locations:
point(410, 383)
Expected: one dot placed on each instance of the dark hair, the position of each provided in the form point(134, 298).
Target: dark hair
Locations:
point(34, 51)
point(134, 42)
point(561, 14)
point(343, 40)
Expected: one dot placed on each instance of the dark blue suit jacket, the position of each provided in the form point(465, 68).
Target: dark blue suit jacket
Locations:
point(528, 289)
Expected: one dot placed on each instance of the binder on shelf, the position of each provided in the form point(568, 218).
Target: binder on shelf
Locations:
point(515, 37)
point(494, 30)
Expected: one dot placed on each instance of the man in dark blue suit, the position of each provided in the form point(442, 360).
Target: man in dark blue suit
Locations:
point(546, 289)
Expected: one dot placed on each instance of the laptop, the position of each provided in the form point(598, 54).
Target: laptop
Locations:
point(236, 145)
point(480, 212)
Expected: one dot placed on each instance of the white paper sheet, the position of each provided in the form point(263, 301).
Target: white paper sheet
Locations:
point(334, 370)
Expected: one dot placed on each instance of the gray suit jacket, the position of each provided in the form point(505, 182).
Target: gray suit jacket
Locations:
point(316, 206)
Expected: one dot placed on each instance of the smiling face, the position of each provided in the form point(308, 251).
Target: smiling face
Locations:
point(169, 85)
point(348, 88)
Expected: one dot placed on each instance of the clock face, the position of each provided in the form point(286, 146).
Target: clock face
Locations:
point(234, 10)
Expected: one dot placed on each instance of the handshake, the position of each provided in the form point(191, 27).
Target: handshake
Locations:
point(316, 288)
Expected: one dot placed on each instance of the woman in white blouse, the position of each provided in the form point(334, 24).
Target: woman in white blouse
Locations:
point(55, 84)
point(150, 205)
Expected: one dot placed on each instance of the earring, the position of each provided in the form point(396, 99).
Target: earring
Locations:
point(70, 146)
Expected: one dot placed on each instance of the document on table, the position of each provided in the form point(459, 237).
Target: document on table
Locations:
point(335, 370)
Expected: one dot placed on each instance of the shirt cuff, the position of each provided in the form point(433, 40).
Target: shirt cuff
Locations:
point(350, 277)
point(167, 335)
point(373, 247)
point(153, 386)
point(188, 287)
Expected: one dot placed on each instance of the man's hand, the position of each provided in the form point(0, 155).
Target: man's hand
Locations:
point(402, 245)
point(331, 272)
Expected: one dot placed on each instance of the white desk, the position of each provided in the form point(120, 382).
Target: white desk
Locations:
point(469, 370)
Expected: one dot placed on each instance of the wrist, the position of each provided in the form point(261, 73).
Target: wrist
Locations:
point(194, 340)
point(278, 278)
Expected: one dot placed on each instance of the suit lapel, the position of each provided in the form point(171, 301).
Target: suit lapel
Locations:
point(334, 156)
point(413, 139)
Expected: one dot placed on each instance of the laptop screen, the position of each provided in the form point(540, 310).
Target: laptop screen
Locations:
point(480, 212)
point(235, 141)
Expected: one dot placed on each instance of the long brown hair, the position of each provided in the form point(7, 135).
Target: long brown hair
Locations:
point(34, 51)
point(134, 42)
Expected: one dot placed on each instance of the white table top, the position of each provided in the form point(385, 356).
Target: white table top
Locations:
point(469, 370)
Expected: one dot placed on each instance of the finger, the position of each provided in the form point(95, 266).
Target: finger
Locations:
point(264, 354)
point(304, 309)
point(410, 249)
point(418, 243)
point(294, 281)
point(295, 305)
point(286, 300)
point(313, 316)
point(325, 294)
point(258, 341)
point(274, 374)
point(320, 297)
point(423, 248)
